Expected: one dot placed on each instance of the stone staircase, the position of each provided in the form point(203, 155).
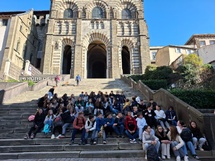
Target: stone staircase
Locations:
point(14, 125)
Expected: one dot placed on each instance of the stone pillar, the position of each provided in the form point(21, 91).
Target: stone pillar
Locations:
point(7, 68)
point(27, 67)
point(144, 46)
point(114, 53)
point(78, 51)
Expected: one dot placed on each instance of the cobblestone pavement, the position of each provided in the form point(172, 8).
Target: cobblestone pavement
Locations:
point(86, 85)
point(89, 159)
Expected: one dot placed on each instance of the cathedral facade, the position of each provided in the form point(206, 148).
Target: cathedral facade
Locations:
point(96, 38)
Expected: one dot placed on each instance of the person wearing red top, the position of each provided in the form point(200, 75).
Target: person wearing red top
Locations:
point(131, 127)
point(79, 126)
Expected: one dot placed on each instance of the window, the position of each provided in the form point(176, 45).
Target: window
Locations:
point(4, 22)
point(97, 13)
point(212, 42)
point(68, 13)
point(189, 51)
point(154, 55)
point(20, 28)
point(126, 14)
point(178, 50)
point(17, 46)
point(202, 43)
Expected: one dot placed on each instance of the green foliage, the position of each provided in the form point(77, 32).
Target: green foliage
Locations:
point(200, 99)
point(30, 83)
point(12, 81)
point(162, 72)
point(193, 59)
point(155, 84)
point(136, 78)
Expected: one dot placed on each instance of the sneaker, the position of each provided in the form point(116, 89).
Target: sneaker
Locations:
point(26, 136)
point(178, 158)
point(61, 136)
point(32, 136)
point(145, 157)
point(168, 157)
point(53, 136)
point(58, 137)
point(186, 158)
point(196, 157)
point(134, 141)
point(104, 142)
point(131, 141)
point(94, 143)
point(201, 149)
point(163, 157)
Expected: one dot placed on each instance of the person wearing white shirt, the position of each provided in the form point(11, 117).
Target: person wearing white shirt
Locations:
point(161, 118)
point(141, 122)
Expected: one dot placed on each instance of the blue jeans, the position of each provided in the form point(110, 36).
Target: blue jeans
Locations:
point(179, 152)
point(113, 110)
point(119, 130)
point(132, 136)
point(93, 133)
point(190, 147)
point(64, 127)
point(103, 135)
point(74, 132)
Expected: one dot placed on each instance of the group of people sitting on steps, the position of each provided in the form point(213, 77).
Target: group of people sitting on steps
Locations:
point(102, 114)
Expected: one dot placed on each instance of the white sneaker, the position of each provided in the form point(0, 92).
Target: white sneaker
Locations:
point(163, 157)
point(186, 158)
point(52, 137)
point(178, 158)
point(145, 157)
point(134, 141)
point(58, 137)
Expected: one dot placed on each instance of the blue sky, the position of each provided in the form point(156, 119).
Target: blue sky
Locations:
point(169, 21)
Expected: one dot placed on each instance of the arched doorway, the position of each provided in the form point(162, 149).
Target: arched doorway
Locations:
point(126, 67)
point(96, 60)
point(66, 60)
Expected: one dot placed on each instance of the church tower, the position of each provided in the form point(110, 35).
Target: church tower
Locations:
point(96, 38)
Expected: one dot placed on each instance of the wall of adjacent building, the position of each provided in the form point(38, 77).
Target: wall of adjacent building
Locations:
point(207, 53)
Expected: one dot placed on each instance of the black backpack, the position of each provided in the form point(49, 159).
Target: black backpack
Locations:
point(186, 134)
point(152, 154)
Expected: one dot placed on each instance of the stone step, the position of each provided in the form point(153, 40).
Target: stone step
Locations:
point(67, 147)
point(74, 154)
point(49, 141)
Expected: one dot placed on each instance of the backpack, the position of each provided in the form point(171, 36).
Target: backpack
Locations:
point(186, 135)
point(152, 154)
point(46, 129)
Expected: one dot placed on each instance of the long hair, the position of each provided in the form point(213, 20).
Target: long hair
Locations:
point(173, 132)
point(158, 133)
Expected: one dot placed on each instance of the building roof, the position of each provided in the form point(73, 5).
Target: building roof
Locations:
point(11, 13)
point(199, 36)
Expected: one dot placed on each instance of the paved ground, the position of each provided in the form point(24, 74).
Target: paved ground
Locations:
point(86, 85)
point(83, 159)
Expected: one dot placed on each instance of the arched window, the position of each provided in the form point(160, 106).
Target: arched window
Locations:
point(126, 14)
point(98, 13)
point(68, 13)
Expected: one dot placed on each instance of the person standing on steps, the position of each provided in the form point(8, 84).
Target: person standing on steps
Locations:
point(77, 79)
point(57, 80)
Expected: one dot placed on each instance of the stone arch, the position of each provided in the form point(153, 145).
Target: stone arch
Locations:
point(103, 5)
point(67, 56)
point(63, 5)
point(129, 44)
point(91, 38)
point(96, 36)
point(129, 5)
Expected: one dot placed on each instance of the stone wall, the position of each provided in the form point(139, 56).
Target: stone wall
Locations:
point(13, 91)
point(184, 111)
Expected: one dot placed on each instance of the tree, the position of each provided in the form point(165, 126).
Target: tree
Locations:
point(194, 60)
